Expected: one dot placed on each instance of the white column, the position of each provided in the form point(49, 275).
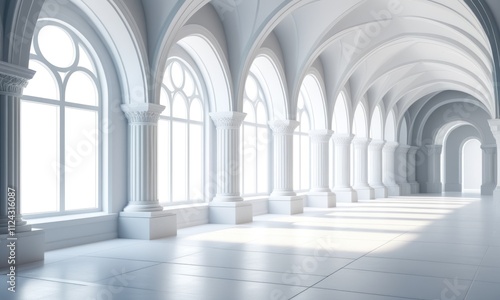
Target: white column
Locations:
point(363, 190)
point(343, 190)
point(283, 199)
point(412, 170)
point(29, 243)
point(320, 194)
point(375, 168)
point(495, 129)
point(388, 158)
point(402, 169)
point(144, 218)
point(228, 207)
point(434, 184)
point(489, 173)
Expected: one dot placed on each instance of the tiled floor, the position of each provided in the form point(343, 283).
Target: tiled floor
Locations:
point(434, 248)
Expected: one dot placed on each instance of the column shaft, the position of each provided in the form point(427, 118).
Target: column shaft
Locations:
point(434, 184)
point(489, 182)
point(402, 169)
point(412, 170)
point(389, 152)
point(228, 207)
point(13, 79)
point(375, 168)
point(143, 157)
point(363, 190)
point(343, 189)
point(320, 194)
point(283, 199)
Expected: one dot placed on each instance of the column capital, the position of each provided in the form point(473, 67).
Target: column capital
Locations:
point(434, 148)
point(13, 78)
point(142, 113)
point(359, 141)
point(413, 149)
point(376, 144)
point(342, 139)
point(403, 149)
point(228, 119)
point(489, 148)
point(286, 127)
point(390, 146)
point(320, 135)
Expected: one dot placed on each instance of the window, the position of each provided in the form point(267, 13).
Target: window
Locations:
point(254, 141)
point(301, 159)
point(181, 136)
point(60, 121)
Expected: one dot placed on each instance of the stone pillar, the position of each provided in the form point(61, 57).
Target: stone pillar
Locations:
point(283, 199)
point(375, 168)
point(434, 185)
point(388, 159)
point(29, 243)
point(412, 170)
point(489, 172)
point(363, 190)
point(343, 190)
point(320, 194)
point(402, 169)
point(144, 218)
point(228, 207)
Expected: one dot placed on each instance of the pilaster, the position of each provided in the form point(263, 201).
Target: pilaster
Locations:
point(489, 173)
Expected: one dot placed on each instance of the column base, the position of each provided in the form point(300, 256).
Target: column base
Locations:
point(488, 189)
point(453, 187)
point(365, 193)
point(380, 191)
point(29, 248)
point(393, 190)
point(415, 187)
point(496, 193)
point(230, 212)
point(433, 188)
point(286, 205)
point(346, 195)
point(321, 199)
point(404, 189)
point(147, 225)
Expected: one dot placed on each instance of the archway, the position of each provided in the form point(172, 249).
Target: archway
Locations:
point(472, 169)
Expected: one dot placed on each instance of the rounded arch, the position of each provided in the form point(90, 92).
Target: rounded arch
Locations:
point(270, 75)
point(360, 124)
point(390, 127)
point(313, 92)
point(341, 120)
point(204, 49)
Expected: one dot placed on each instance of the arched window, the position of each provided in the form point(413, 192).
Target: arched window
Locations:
point(181, 137)
point(254, 141)
point(376, 125)
point(301, 147)
point(60, 124)
point(341, 114)
point(472, 169)
point(390, 127)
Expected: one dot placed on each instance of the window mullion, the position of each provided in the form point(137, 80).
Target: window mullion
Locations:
point(62, 153)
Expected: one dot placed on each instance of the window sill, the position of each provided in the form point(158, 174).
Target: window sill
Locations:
point(52, 222)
